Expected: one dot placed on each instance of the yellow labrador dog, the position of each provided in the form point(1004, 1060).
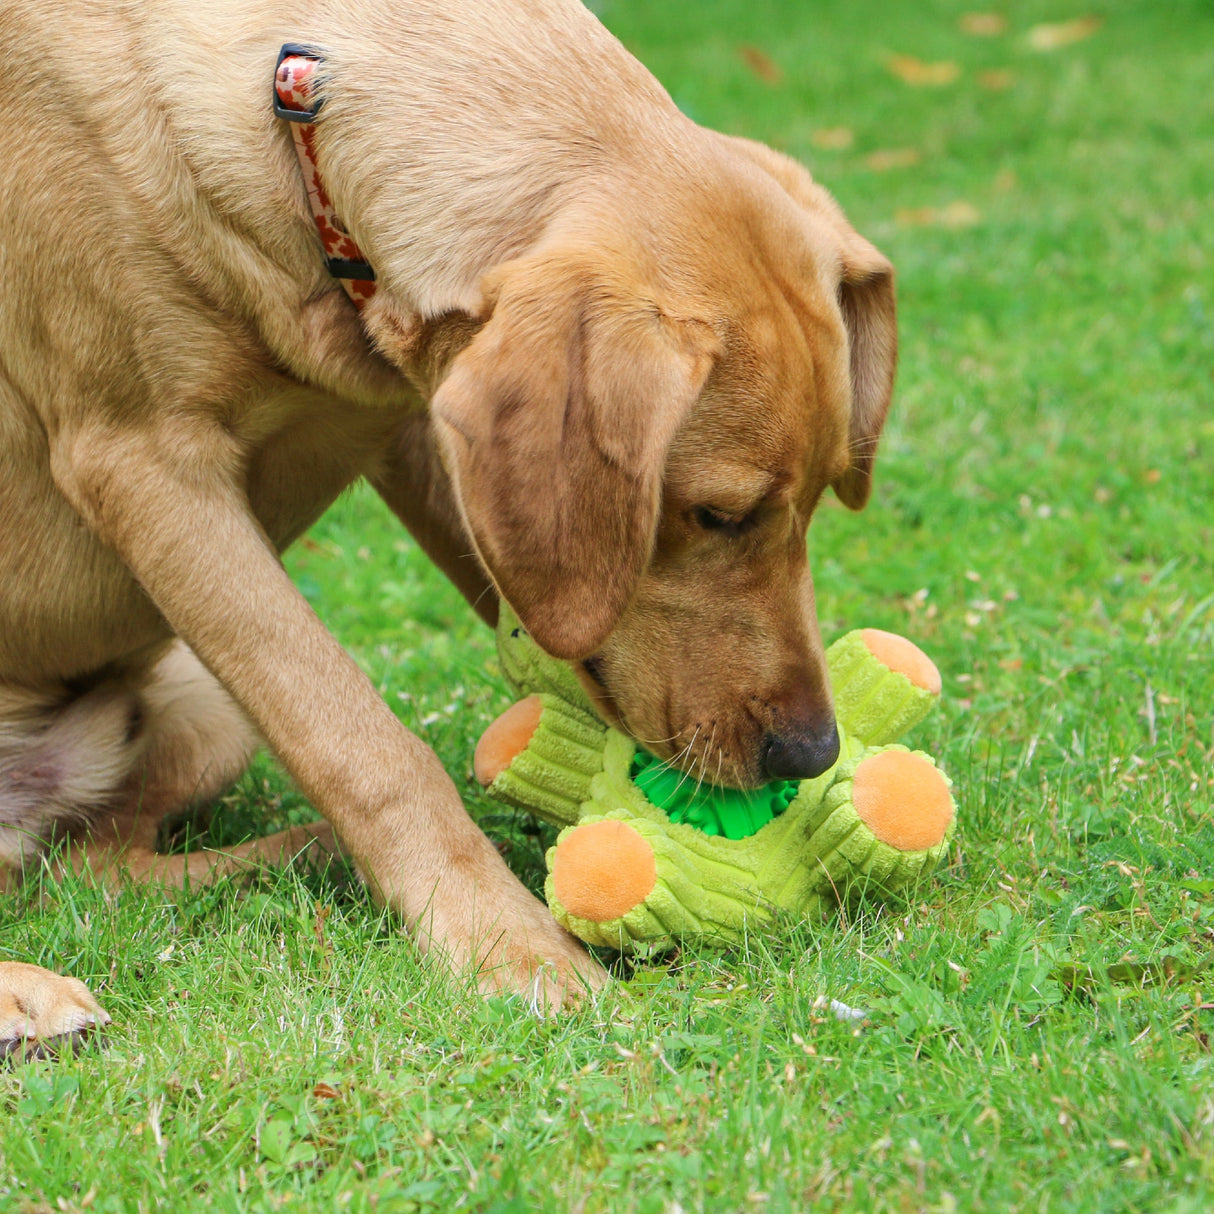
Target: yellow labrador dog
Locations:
point(611, 363)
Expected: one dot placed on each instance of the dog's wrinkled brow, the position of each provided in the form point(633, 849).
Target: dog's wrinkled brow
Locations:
point(730, 484)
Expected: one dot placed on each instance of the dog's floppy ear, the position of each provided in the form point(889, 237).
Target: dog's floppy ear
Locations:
point(866, 299)
point(555, 423)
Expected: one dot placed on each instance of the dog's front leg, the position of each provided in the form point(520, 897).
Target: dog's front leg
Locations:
point(416, 487)
point(172, 506)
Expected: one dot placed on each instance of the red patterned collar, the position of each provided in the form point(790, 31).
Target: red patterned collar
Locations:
point(294, 102)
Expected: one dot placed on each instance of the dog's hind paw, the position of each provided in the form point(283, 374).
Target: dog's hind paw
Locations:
point(42, 1014)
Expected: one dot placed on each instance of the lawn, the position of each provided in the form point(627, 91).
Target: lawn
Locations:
point(1037, 1017)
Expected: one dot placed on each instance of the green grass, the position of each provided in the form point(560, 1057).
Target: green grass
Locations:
point(1043, 524)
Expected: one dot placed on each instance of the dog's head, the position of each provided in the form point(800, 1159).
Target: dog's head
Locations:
point(639, 434)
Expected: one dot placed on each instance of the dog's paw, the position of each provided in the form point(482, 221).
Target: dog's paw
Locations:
point(543, 964)
point(42, 1013)
point(520, 950)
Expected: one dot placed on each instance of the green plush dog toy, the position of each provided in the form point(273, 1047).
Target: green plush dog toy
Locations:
point(648, 858)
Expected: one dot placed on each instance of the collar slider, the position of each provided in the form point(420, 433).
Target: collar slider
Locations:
point(288, 86)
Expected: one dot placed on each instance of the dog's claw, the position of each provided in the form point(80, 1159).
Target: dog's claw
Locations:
point(43, 1014)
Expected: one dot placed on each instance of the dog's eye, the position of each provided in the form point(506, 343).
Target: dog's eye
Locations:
point(716, 520)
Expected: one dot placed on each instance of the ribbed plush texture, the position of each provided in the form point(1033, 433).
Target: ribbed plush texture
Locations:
point(874, 704)
point(818, 851)
point(529, 669)
point(551, 777)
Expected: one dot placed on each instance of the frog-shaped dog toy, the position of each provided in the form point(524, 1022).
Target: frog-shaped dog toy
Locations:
point(648, 857)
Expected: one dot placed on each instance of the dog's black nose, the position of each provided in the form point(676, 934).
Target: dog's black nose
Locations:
point(800, 756)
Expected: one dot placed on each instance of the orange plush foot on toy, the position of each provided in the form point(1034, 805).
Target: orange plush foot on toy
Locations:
point(903, 799)
point(602, 870)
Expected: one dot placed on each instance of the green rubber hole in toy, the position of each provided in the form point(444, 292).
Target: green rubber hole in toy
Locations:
point(729, 812)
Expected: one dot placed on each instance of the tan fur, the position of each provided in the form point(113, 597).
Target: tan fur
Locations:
point(616, 318)
point(40, 1011)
